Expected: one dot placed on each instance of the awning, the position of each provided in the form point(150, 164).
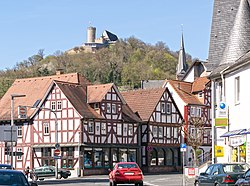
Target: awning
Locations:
point(235, 132)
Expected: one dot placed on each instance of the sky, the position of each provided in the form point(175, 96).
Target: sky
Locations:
point(30, 25)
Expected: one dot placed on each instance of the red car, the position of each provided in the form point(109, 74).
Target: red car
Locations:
point(126, 172)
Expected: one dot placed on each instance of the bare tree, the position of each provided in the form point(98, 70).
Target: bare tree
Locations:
point(194, 134)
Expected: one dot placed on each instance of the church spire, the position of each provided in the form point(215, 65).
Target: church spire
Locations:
point(182, 64)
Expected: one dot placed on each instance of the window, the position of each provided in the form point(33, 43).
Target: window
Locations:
point(198, 112)
point(200, 94)
point(168, 132)
point(175, 132)
point(168, 109)
point(106, 157)
point(125, 129)
point(53, 105)
point(46, 128)
point(59, 105)
point(160, 132)
point(237, 89)
point(98, 157)
point(155, 131)
point(113, 108)
point(119, 129)
point(91, 127)
point(19, 131)
point(19, 157)
point(108, 108)
point(88, 158)
point(103, 128)
point(192, 111)
point(130, 129)
point(163, 107)
point(131, 155)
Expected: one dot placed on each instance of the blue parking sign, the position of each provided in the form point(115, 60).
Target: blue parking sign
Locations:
point(183, 147)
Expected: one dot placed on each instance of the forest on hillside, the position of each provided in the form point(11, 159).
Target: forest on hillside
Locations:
point(124, 63)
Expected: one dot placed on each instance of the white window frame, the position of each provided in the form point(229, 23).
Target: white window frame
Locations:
point(168, 108)
point(46, 128)
point(155, 131)
point(237, 89)
point(160, 132)
point(163, 107)
point(108, 108)
point(175, 132)
point(113, 108)
point(192, 111)
point(19, 150)
point(59, 105)
point(119, 129)
point(91, 127)
point(19, 131)
point(130, 129)
point(53, 105)
point(168, 132)
point(104, 128)
point(198, 112)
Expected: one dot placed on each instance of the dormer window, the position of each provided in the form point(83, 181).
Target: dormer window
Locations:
point(96, 106)
point(200, 94)
point(59, 105)
point(163, 107)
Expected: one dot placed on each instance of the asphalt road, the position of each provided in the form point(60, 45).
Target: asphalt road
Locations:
point(102, 180)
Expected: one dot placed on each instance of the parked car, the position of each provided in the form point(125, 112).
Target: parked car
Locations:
point(220, 174)
point(6, 166)
point(126, 172)
point(43, 172)
point(14, 177)
point(244, 179)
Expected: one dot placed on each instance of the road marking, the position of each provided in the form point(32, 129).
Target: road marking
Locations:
point(150, 184)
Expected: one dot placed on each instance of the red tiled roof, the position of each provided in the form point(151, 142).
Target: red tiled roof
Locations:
point(96, 93)
point(184, 90)
point(76, 94)
point(34, 89)
point(199, 84)
point(143, 101)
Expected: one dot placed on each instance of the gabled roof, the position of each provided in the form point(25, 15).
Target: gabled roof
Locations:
point(96, 93)
point(199, 84)
point(34, 89)
point(76, 94)
point(184, 90)
point(143, 101)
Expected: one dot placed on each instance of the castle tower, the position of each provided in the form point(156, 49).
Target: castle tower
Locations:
point(182, 64)
point(91, 34)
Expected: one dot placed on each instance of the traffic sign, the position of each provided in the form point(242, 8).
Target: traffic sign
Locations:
point(183, 147)
point(57, 152)
point(22, 112)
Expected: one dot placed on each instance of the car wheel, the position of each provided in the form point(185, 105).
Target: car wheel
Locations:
point(59, 175)
point(196, 183)
point(65, 177)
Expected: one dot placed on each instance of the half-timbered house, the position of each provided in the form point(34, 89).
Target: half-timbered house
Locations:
point(92, 125)
point(161, 122)
point(194, 101)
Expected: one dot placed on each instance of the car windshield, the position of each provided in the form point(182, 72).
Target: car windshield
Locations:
point(9, 178)
point(5, 167)
point(120, 166)
point(235, 168)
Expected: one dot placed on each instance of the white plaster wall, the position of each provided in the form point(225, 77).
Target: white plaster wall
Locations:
point(190, 76)
point(238, 113)
point(180, 104)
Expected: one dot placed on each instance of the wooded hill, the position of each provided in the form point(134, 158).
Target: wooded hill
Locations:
point(124, 63)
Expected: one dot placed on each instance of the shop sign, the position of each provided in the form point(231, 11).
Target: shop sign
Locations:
point(219, 151)
point(221, 122)
point(237, 141)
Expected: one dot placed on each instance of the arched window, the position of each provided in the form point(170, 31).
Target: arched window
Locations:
point(169, 157)
point(176, 157)
point(161, 157)
point(153, 157)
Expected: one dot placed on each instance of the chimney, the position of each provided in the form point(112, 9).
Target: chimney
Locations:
point(59, 71)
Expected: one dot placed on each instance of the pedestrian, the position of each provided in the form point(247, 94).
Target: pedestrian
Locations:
point(27, 171)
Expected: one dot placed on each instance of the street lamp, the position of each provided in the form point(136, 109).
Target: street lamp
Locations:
point(13, 96)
